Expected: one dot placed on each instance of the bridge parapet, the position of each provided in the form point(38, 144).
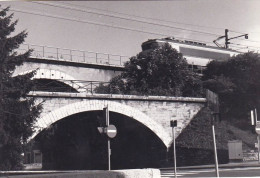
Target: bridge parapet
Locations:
point(73, 55)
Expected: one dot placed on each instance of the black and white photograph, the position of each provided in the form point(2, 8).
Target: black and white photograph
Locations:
point(130, 89)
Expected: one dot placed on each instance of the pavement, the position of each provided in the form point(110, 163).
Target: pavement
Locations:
point(229, 165)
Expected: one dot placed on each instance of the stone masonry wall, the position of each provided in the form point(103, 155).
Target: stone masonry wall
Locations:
point(159, 109)
point(74, 72)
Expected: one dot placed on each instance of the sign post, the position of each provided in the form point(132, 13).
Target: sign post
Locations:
point(213, 104)
point(215, 145)
point(258, 142)
point(110, 131)
point(173, 125)
point(255, 122)
point(106, 113)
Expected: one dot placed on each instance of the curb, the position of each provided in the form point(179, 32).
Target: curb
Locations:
point(231, 165)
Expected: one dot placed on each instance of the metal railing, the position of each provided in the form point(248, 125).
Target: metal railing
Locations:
point(70, 86)
point(73, 55)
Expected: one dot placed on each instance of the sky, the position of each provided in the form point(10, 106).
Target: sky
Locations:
point(120, 27)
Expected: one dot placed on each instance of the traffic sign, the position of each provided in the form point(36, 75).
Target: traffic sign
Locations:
point(212, 101)
point(101, 130)
point(111, 131)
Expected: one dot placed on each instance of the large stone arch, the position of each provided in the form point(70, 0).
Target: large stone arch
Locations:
point(94, 105)
point(56, 75)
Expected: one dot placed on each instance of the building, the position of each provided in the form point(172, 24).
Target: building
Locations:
point(197, 54)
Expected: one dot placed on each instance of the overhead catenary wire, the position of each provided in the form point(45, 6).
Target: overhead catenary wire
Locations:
point(98, 24)
point(124, 18)
point(131, 15)
point(156, 19)
point(245, 48)
point(257, 47)
point(101, 24)
point(151, 23)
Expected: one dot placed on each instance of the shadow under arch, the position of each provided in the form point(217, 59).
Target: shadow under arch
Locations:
point(95, 105)
point(51, 74)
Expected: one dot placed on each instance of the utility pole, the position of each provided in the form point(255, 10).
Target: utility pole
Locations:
point(228, 39)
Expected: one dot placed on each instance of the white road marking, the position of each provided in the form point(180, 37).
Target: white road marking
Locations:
point(222, 169)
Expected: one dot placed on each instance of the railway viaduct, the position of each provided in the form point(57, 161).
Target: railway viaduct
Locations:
point(154, 112)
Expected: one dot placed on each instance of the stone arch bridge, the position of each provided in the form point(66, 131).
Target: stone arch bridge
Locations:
point(154, 112)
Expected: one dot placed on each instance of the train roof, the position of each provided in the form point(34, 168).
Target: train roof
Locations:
point(187, 42)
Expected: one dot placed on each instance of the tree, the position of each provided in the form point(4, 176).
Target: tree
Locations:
point(237, 82)
point(17, 112)
point(161, 71)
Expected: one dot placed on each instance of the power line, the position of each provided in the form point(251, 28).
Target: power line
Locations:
point(236, 32)
point(242, 32)
point(98, 24)
point(156, 19)
point(146, 17)
point(245, 45)
point(95, 23)
point(244, 48)
point(140, 21)
point(123, 18)
point(254, 41)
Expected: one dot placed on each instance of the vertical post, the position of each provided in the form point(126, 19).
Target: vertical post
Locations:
point(42, 51)
point(84, 56)
point(108, 60)
point(57, 53)
point(108, 141)
point(255, 115)
point(173, 125)
point(258, 139)
point(91, 90)
point(109, 154)
point(120, 60)
point(70, 55)
point(96, 57)
point(174, 152)
point(215, 146)
point(226, 38)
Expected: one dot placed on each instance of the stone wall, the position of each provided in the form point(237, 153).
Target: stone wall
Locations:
point(76, 72)
point(155, 112)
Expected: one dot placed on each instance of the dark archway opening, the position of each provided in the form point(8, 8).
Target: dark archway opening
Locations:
point(50, 85)
point(75, 143)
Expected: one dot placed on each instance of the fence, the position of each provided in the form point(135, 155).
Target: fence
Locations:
point(67, 85)
point(79, 56)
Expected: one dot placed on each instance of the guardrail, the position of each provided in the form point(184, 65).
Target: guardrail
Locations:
point(73, 55)
point(71, 86)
